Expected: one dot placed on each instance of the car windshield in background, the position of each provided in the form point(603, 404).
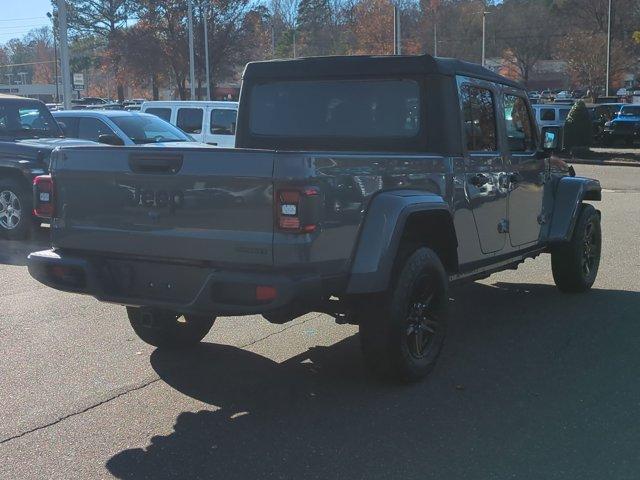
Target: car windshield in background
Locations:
point(27, 120)
point(630, 112)
point(336, 109)
point(148, 129)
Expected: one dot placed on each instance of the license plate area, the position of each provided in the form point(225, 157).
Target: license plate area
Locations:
point(150, 280)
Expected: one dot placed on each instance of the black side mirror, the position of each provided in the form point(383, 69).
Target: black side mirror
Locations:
point(110, 139)
point(550, 137)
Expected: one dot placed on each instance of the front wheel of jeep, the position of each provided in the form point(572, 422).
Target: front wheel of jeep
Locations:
point(402, 332)
point(575, 264)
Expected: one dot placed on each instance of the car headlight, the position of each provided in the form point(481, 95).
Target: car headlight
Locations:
point(607, 124)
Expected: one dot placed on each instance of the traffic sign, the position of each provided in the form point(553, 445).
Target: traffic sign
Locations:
point(78, 81)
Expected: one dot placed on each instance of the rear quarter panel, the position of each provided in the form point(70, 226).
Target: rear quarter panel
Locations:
point(348, 183)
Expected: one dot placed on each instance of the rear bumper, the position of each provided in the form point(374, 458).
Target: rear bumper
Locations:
point(183, 288)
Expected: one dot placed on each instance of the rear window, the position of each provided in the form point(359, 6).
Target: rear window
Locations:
point(27, 119)
point(547, 114)
point(163, 113)
point(338, 109)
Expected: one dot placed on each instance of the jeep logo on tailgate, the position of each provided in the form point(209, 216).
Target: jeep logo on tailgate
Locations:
point(143, 197)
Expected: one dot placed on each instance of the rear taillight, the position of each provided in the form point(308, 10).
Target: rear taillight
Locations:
point(297, 209)
point(43, 197)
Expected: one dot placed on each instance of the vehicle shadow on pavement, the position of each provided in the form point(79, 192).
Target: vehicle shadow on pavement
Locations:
point(15, 252)
point(531, 384)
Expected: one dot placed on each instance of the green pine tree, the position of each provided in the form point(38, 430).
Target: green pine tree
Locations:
point(578, 128)
point(314, 32)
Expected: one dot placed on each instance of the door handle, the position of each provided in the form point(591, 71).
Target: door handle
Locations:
point(155, 164)
point(479, 180)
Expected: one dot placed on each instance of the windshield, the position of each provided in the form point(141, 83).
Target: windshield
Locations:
point(148, 129)
point(630, 112)
point(27, 119)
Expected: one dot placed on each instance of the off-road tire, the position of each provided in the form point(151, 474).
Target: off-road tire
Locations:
point(575, 264)
point(386, 322)
point(12, 189)
point(168, 330)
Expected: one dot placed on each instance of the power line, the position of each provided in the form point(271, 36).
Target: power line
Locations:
point(34, 25)
point(18, 19)
point(25, 64)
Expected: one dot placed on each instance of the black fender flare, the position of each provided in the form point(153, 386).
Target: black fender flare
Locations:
point(570, 193)
point(381, 233)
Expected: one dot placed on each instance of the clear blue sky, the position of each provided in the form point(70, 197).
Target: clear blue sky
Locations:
point(17, 17)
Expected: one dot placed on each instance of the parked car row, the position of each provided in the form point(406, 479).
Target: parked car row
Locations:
point(625, 126)
point(29, 131)
point(612, 122)
point(211, 122)
point(119, 127)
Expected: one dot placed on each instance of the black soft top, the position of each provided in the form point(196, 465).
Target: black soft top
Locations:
point(368, 65)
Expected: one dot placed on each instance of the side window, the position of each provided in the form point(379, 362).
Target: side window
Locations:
point(163, 113)
point(190, 120)
point(223, 121)
point(564, 113)
point(518, 124)
point(92, 128)
point(547, 115)
point(479, 116)
point(70, 126)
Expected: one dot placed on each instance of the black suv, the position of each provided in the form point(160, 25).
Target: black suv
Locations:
point(28, 134)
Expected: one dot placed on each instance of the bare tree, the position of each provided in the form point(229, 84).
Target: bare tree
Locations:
point(106, 20)
point(526, 30)
point(586, 55)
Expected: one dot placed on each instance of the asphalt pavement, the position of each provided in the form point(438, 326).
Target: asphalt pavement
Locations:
point(531, 384)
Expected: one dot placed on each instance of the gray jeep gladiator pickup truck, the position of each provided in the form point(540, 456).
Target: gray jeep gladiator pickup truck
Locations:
point(361, 187)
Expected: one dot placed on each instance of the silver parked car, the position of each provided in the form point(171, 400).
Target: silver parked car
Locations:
point(120, 127)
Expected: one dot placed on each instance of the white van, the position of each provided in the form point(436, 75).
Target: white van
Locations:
point(551, 113)
point(208, 122)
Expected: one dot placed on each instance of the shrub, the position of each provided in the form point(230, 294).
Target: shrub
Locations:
point(578, 128)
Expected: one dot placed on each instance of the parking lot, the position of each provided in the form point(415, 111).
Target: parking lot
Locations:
point(531, 384)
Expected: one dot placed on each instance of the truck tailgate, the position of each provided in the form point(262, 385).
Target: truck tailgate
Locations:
point(183, 204)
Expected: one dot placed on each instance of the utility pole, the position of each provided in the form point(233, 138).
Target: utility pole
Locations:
point(64, 54)
point(295, 54)
point(206, 49)
point(435, 36)
point(484, 34)
point(55, 55)
point(273, 40)
point(397, 34)
point(606, 88)
point(192, 71)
